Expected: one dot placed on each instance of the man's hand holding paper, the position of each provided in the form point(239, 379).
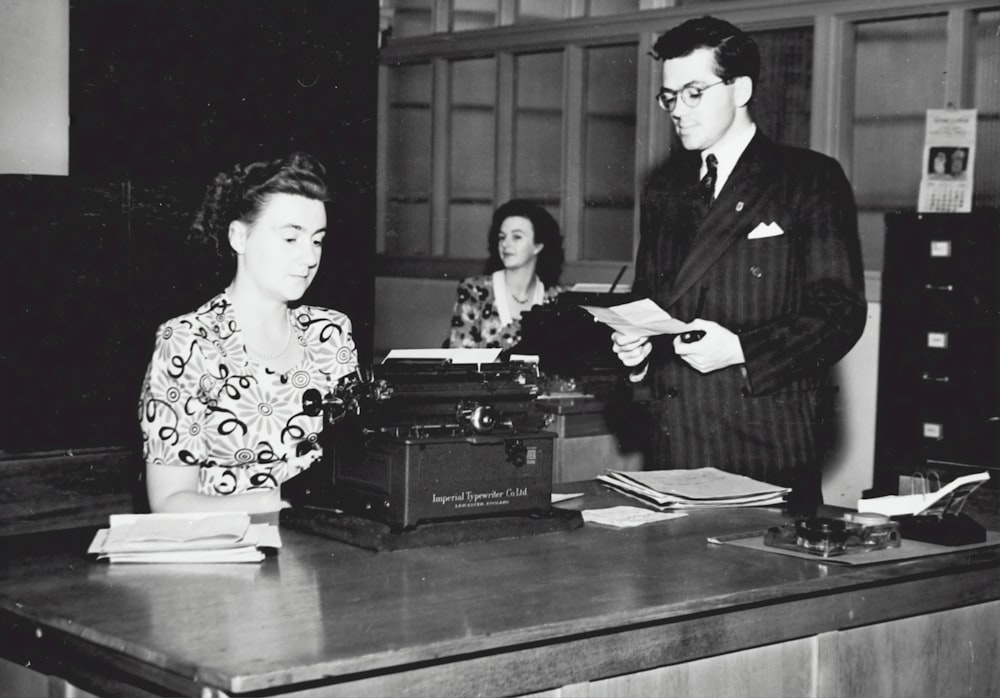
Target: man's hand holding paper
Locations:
point(633, 324)
point(718, 348)
point(632, 351)
point(714, 347)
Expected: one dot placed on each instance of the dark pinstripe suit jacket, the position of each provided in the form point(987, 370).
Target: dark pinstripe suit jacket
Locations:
point(796, 300)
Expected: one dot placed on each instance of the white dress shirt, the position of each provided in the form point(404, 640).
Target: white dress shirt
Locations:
point(727, 151)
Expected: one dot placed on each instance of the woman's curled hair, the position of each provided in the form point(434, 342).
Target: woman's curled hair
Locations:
point(241, 193)
point(550, 260)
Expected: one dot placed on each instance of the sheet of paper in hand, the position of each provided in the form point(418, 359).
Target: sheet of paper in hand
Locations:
point(642, 318)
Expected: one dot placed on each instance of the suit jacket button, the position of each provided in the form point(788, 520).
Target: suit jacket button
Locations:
point(673, 392)
point(756, 272)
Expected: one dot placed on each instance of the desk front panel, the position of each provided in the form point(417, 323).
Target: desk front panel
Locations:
point(504, 617)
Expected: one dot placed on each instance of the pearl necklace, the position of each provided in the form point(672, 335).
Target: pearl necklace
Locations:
point(521, 300)
point(284, 347)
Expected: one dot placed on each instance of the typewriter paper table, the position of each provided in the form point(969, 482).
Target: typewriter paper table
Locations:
point(649, 610)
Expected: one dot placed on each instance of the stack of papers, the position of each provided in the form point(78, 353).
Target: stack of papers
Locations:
point(948, 500)
point(700, 487)
point(209, 537)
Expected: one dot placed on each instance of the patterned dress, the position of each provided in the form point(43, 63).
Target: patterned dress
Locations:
point(206, 403)
point(482, 318)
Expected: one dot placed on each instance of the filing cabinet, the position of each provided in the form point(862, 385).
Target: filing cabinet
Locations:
point(939, 350)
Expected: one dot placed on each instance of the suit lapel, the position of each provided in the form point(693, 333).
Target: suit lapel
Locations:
point(745, 193)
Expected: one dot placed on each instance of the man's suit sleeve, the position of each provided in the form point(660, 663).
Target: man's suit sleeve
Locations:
point(831, 310)
point(646, 277)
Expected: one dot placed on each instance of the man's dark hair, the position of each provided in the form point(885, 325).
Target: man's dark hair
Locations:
point(736, 54)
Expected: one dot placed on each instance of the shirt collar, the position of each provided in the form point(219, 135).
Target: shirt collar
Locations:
point(728, 150)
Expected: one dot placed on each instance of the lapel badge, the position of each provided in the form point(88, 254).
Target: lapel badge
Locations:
point(739, 206)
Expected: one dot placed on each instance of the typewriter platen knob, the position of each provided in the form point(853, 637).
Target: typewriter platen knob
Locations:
point(480, 418)
point(484, 418)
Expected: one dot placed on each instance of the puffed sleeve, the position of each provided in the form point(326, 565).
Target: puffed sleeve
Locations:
point(172, 404)
point(466, 317)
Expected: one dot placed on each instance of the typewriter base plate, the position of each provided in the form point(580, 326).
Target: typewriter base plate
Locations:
point(375, 535)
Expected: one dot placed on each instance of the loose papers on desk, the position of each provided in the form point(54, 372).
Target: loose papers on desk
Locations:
point(191, 538)
point(699, 487)
point(626, 517)
point(948, 500)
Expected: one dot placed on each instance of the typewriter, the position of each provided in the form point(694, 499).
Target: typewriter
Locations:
point(421, 440)
point(570, 344)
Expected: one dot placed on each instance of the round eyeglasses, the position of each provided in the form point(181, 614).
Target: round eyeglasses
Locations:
point(689, 94)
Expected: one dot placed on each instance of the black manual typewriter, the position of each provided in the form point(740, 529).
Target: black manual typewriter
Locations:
point(429, 440)
point(570, 343)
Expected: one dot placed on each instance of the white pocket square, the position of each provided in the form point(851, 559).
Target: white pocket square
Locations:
point(765, 230)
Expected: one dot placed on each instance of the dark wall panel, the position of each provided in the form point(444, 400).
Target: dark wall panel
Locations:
point(164, 94)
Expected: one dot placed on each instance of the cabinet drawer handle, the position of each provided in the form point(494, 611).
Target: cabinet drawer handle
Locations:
point(937, 379)
point(939, 287)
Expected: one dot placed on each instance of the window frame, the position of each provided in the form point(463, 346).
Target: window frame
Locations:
point(832, 97)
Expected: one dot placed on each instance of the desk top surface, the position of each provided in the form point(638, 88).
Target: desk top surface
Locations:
point(321, 608)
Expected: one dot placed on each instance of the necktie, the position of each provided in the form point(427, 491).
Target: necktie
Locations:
point(708, 181)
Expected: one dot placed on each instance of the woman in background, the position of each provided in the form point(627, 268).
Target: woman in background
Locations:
point(221, 410)
point(525, 261)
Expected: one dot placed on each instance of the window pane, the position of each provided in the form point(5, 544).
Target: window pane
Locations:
point(603, 8)
point(898, 64)
point(473, 128)
point(408, 178)
point(538, 126)
point(783, 100)
point(467, 15)
point(609, 153)
point(468, 229)
point(987, 100)
point(472, 150)
point(407, 229)
point(408, 17)
point(541, 10)
point(608, 234)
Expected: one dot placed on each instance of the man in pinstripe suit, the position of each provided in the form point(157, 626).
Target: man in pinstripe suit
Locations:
point(757, 244)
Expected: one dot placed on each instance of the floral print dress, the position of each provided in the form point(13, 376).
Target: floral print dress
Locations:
point(482, 318)
point(206, 403)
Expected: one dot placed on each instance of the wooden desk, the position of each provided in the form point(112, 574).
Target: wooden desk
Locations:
point(651, 610)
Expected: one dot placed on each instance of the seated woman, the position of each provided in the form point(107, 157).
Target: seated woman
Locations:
point(525, 260)
point(221, 405)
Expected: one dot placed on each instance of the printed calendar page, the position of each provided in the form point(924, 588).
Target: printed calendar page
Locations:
point(948, 158)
